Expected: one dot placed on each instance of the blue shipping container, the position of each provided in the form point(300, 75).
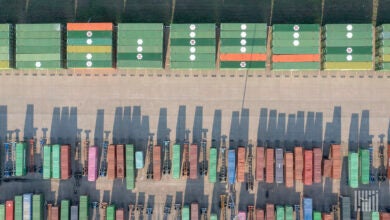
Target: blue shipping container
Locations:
point(139, 160)
point(232, 166)
point(27, 206)
point(307, 208)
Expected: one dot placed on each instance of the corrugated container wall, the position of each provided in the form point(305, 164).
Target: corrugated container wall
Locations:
point(130, 175)
point(260, 162)
point(9, 210)
point(336, 161)
point(110, 212)
point(47, 162)
point(269, 170)
point(270, 212)
point(139, 160)
point(37, 206)
point(317, 163)
point(54, 213)
point(65, 162)
point(157, 163)
point(2, 212)
point(212, 165)
point(241, 164)
point(92, 163)
point(74, 213)
point(176, 161)
point(5, 55)
point(231, 166)
point(193, 161)
point(18, 207)
point(279, 165)
point(307, 208)
point(65, 209)
point(194, 211)
point(289, 169)
point(120, 214)
point(185, 213)
point(27, 206)
point(20, 159)
point(298, 163)
point(259, 214)
point(56, 164)
point(308, 167)
point(83, 207)
point(111, 162)
point(120, 161)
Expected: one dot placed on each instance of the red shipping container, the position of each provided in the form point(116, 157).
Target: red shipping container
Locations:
point(54, 213)
point(260, 162)
point(289, 169)
point(49, 207)
point(92, 163)
point(384, 216)
point(157, 163)
point(388, 161)
point(308, 167)
point(194, 211)
point(259, 214)
point(9, 210)
point(336, 161)
point(120, 161)
point(241, 164)
point(298, 163)
point(269, 175)
point(317, 163)
point(270, 212)
point(327, 216)
point(193, 161)
point(327, 168)
point(119, 214)
point(65, 162)
point(111, 162)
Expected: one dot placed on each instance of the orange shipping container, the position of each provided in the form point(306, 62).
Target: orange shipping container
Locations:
point(241, 164)
point(119, 214)
point(259, 214)
point(270, 212)
point(194, 211)
point(193, 161)
point(269, 175)
point(298, 163)
point(120, 161)
point(49, 207)
point(327, 216)
point(111, 162)
point(336, 161)
point(54, 213)
point(296, 58)
point(157, 163)
point(260, 163)
point(243, 57)
point(327, 168)
point(65, 162)
point(89, 26)
point(384, 216)
point(317, 163)
point(308, 167)
point(289, 169)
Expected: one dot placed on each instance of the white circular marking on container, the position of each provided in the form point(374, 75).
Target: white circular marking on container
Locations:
point(243, 49)
point(192, 49)
point(140, 41)
point(243, 34)
point(349, 50)
point(296, 27)
point(243, 27)
point(243, 42)
point(296, 43)
point(139, 56)
point(89, 41)
point(88, 56)
point(140, 49)
point(243, 64)
point(89, 33)
point(349, 27)
point(192, 34)
point(349, 35)
point(89, 63)
point(192, 57)
point(38, 64)
point(192, 42)
point(349, 57)
point(192, 27)
point(296, 35)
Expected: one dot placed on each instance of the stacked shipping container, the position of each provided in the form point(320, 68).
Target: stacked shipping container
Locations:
point(345, 207)
point(130, 174)
point(54, 213)
point(20, 159)
point(83, 207)
point(259, 214)
point(270, 211)
point(269, 170)
point(18, 207)
point(231, 166)
point(2, 211)
point(92, 163)
point(55, 161)
point(347, 47)
point(260, 162)
point(27, 206)
point(192, 46)
point(279, 165)
point(279, 212)
point(65, 209)
point(185, 213)
point(9, 210)
point(296, 47)
point(110, 212)
point(243, 46)
point(327, 216)
point(5, 46)
point(46, 162)
point(383, 47)
point(193, 161)
point(157, 163)
point(111, 162)
point(120, 161)
point(194, 211)
point(139, 160)
point(38, 46)
point(353, 169)
point(364, 165)
point(176, 161)
point(120, 214)
point(140, 45)
point(317, 163)
point(298, 163)
point(289, 212)
point(212, 165)
point(308, 167)
point(74, 212)
point(89, 45)
point(327, 168)
point(289, 169)
point(65, 162)
point(37, 207)
point(336, 161)
point(241, 164)
point(307, 208)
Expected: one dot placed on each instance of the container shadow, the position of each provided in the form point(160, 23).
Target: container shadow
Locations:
point(300, 128)
point(290, 133)
point(126, 121)
point(55, 125)
point(99, 128)
point(181, 125)
point(136, 126)
point(216, 131)
point(388, 134)
point(64, 134)
point(244, 127)
point(280, 130)
point(344, 188)
point(332, 131)
point(117, 131)
point(261, 195)
point(262, 128)
point(364, 133)
point(272, 128)
point(28, 130)
point(198, 126)
point(245, 198)
point(162, 127)
point(353, 133)
point(150, 204)
point(234, 130)
point(3, 123)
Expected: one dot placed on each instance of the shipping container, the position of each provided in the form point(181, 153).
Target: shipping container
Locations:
point(259, 214)
point(213, 216)
point(55, 161)
point(193, 161)
point(384, 216)
point(241, 215)
point(241, 164)
point(20, 159)
point(65, 205)
point(74, 213)
point(345, 211)
point(37, 207)
point(279, 212)
point(9, 210)
point(54, 213)
point(185, 213)
point(47, 162)
point(298, 163)
point(353, 169)
point(65, 162)
point(139, 159)
point(83, 207)
point(119, 214)
point(279, 165)
point(296, 66)
point(317, 215)
point(327, 216)
point(260, 162)
point(194, 211)
point(336, 161)
point(92, 163)
point(27, 206)
point(2, 212)
point(348, 65)
point(270, 211)
point(374, 216)
point(242, 57)
point(120, 161)
point(242, 65)
point(295, 27)
point(348, 28)
point(231, 166)
point(130, 175)
point(289, 169)
point(308, 167)
point(89, 26)
point(269, 170)
point(289, 212)
point(213, 158)
point(176, 161)
point(307, 209)
point(297, 58)
point(18, 208)
point(327, 168)
point(317, 163)
point(110, 212)
point(364, 165)
point(111, 162)
point(157, 163)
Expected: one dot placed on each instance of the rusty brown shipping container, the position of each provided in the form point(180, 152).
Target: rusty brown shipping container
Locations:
point(49, 208)
point(317, 163)
point(111, 162)
point(336, 161)
point(308, 167)
point(327, 168)
point(193, 161)
point(270, 173)
point(384, 216)
point(119, 214)
point(289, 169)
point(270, 212)
point(241, 164)
point(260, 162)
point(120, 161)
point(259, 214)
point(157, 163)
point(298, 163)
point(66, 170)
point(194, 211)
point(327, 216)
point(388, 161)
point(54, 213)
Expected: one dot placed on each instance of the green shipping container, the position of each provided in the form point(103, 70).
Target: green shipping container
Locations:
point(185, 213)
point(4, 42)
point(40, 57)
point(37, 207)
point(295, 27)
point(176, 161)
point(295, 50)
point(374, 215)
point(56, 64)
point(110, 212)
point(18, 209)
point(130, 178)
point(384, 66)
point(383, 50)
point(364, 157)
point(243, 42)
point(243, 34)
point(20, 163)
point(4, 49)
point(347, 36)
point(289, 212)
point(258, 27)
point(296, 43)
point(347, 57)
point(317, 215)
point(193, 27)
point(139, 64)
point(4, 56)
point(197, 57)
point(213, 217)
point(35, 42)
point(353, 170)
point(279, 213)
point(191, 35)
point(47, 162)
point(181, 49)
point(141, 49)
point(4, 27)
point(56, 163)
point(348, 27)
point(89, 56)
point(89, 42)
point(37, 27)
point(191, 42)
point(139, 26)
point(349, 50)
point(213, 165)
point(83, 207)
point(89, 34)
point(192, 65)
point(38, 34)
point(237, 49)
point(144, 42)
point(296, 66)
point(242, 65)
point(315, 35)
point(37, 49)
point(343, 43)
point(140, 56)
point(89, 64)
point(65, 209)
point(2, 212)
